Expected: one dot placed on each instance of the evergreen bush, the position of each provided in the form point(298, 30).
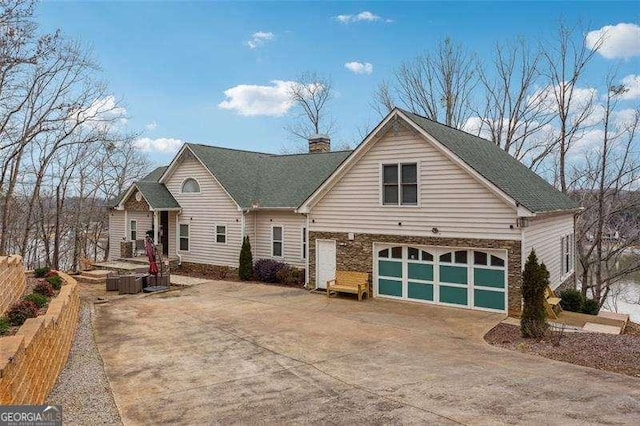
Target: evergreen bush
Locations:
point(41, 272)
point(245, 271)
point(571, 300)
point(535, 279)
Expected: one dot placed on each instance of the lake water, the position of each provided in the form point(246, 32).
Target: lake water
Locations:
point(625, 298)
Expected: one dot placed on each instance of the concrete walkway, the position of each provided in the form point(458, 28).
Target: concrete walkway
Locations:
point(226, 352)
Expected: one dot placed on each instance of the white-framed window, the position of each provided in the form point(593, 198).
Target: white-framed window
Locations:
point(304, 243)
point(133, 230)
point(190, 186)
point(277, 241)
point(567, 253)
point(221, 234)
point(400, 184)
point(184, 237)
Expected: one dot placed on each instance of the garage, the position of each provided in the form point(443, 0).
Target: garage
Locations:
point(461, 277)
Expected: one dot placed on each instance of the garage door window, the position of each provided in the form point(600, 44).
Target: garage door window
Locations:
point(420, 274)
point(489, 280)
point(454, 278)
point(390, 272)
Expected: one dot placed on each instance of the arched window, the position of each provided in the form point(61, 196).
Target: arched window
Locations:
point(190, 186)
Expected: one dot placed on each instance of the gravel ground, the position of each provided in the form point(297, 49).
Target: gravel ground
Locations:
point(617, 353)
point(82, 388)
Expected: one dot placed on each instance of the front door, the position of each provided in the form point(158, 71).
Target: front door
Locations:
point(326, 262)
point(164, 232)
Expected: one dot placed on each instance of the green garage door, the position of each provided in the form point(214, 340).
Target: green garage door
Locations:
point(467, 278)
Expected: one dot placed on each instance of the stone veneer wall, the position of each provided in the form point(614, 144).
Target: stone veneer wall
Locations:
point(215, 272)
point(32, 359)
point(357, 255)
point(568, 284)
point(134, 205)
point(12, 281)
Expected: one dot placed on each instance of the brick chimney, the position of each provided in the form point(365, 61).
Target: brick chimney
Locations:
point(319, 143)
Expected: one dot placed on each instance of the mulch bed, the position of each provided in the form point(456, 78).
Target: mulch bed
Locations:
point(617, 353)
point(28, 289)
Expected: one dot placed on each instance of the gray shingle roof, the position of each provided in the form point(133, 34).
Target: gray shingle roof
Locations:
point(157, 195)
point(271, 180)
point(155, 174)
point(498, 167)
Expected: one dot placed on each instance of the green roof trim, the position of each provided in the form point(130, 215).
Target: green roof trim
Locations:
point(268, 180)
point(498, 167)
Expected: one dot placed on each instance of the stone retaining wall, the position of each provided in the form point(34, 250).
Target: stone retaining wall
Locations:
point(32, 359)
point(12, 281)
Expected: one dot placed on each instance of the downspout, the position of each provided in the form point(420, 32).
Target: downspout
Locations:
point(178, 237)
point(306, 269)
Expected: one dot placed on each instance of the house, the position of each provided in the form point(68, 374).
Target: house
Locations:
point(433, 214)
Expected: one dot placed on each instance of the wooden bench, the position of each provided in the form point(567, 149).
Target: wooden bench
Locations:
point(552, 303)
point(349, 282)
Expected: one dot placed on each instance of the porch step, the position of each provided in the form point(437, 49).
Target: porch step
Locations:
point(90, 280)
point(97, 273)
point(602, 328)
point(122, 268)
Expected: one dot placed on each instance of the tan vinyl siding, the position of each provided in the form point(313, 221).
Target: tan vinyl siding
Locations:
point(450, 198)
point(292, 224)
point(543, 235)
point(202, 212)
point(145, 223)
point(116, 233)
point(172, 235)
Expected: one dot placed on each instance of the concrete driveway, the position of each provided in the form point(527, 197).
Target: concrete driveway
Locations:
point(247, 353)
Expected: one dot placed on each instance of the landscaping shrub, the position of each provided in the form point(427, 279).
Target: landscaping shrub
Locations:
point(44, 288)
point(4, 326)
point(571, 300)
point(38, 299)
point(20, 311)
point(591, 307)
point(245, 271)
point(266, 270)
point(41, 272)
point(290, 276)
point(55, 281)
point(535, 279)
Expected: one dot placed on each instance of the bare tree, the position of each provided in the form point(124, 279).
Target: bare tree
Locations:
point(437, 85)
point(608, 179)
point(383, 101)
point(566, 58)
point(311, 95)
point(514, 114)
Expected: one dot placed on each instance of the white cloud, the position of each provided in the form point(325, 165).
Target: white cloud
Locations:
point(253, 100)
point(364, 16)
point(162, 145)
point(618, 41)
point(151, 126)
point(259, 39)
point(359, 67)
point(100, 114)
point(632, 84)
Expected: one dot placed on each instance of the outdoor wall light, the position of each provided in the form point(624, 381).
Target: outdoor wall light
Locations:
point(399, 223)
point(435, 230)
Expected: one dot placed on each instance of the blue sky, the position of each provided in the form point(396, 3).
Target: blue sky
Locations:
point(171, 62)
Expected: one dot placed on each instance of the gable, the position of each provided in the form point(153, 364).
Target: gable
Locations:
point(450, 199)
point(212, 194)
